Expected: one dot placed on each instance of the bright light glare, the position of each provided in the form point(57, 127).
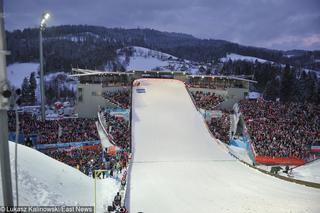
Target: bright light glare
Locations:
point(46, 16)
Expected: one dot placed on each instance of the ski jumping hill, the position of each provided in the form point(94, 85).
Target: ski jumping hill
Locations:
point(178, 167)
point(44, 181)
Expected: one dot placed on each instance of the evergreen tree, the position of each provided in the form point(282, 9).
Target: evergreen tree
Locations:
point(33, 86)
point(302, 89)
point(287, 88)
point(313, 88)
point(272, 90)
point(25, 91)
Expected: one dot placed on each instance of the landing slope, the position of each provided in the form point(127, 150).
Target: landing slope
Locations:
point(177, 167)
point(309, 172)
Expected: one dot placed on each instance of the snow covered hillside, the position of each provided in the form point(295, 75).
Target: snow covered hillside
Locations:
point(45, 181)
point(237, 57)
point(18, 71)
point(147, 59)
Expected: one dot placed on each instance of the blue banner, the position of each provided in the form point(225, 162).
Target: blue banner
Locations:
point(67, 145)
point(243, 142)
point(141, 90)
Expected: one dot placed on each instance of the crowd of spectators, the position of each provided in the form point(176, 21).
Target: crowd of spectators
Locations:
point(207, 100)
point(118, 129)
point(219, 127)
point(86, 160)
point(93, 158)
point(282, 129)
point(120, 98)
point(54, 131)
point(202, 85)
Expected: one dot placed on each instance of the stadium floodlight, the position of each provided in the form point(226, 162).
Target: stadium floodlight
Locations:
point(45, 17)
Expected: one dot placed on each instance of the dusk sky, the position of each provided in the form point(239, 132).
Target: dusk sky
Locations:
point(278, 24)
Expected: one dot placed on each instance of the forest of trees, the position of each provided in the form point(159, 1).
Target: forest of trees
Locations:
point(56, 90)
point(274, 81)
point(93, 47)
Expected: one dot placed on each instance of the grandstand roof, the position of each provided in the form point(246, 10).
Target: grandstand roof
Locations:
point(87, 72)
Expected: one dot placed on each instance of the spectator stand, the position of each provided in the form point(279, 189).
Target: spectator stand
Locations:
point(85, 158)
point(118, 98)
point(207, 100)
point(281, 134)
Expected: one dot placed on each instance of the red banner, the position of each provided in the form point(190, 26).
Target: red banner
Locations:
point(279, 161)
point(91, 147)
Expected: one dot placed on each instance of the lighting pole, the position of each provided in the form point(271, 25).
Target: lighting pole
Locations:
point(4, 105)
point(45, 17)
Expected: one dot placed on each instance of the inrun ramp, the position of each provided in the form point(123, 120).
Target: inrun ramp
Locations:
point(178, 167)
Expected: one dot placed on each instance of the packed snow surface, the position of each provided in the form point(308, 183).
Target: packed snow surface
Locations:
point(309, 172)
point(178, 167)
point(44, 181)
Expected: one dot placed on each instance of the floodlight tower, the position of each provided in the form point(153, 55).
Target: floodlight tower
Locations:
point(45, 17)
point(4, 105)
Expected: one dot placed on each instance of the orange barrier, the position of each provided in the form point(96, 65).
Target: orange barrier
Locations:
point(278, 160)
point(91, 147)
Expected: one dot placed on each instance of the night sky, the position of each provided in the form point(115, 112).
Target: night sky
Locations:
point(277, 24)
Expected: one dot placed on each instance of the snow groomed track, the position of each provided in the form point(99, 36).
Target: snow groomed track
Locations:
point(178, 167)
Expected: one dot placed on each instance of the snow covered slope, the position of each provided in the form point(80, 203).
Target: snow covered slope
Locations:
point(309, 172)
point(178, 167)
point(237, 57)
point(18, 71)
point(144, 59)
point(45, 181)
point(148, 59)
